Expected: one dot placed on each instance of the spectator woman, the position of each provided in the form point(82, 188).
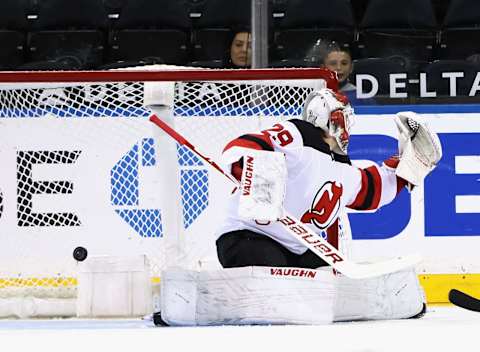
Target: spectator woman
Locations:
point(240, 53)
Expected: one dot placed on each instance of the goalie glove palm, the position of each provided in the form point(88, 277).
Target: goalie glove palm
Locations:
point(419, 148)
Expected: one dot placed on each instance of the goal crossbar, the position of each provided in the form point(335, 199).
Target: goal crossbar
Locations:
point(170, 75)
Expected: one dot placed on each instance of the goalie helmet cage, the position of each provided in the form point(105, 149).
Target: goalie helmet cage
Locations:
point(83, 166)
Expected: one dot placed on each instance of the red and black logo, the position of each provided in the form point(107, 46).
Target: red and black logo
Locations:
point(325, 206)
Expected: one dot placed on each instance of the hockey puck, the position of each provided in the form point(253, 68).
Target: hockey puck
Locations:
point(80, 254)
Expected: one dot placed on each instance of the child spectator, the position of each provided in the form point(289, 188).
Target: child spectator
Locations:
point(339, 59)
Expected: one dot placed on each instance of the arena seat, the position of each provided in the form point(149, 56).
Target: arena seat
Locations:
point(168, 46)
point(211, 44)
point(154, 14)
point(407, 14)
point(151, 29)
point(214, 26)
point(391, 27)
point(114, 7)
point(13, 24)
point(131, 63)
point(300, 43)
point(13, 15)
point(12, 53)
point(460, 30)
point(458, 44)
point(462, 14)
point(300, 24)
point(415, 45)
point(217, 14)
point(291, 63)
point(85, 45)
point(315, 14)
point(59, 64)
point(207, 63)
point(69, 29)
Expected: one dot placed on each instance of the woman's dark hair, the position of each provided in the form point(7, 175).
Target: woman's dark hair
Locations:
point(227, 56)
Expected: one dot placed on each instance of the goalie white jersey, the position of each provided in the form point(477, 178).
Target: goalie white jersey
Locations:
point(319, 183)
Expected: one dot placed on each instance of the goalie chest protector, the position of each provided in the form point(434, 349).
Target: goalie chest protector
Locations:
point(319, 182)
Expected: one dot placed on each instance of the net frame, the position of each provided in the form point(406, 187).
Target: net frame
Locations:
point(14, 80)
point(170, 75)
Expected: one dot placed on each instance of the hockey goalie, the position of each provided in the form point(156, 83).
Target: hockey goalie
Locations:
point(301, 166)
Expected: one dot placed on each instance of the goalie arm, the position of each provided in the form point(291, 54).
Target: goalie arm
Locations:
point(419, 153)
point(375, 186)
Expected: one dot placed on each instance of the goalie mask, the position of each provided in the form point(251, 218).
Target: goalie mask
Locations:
point(331, 112)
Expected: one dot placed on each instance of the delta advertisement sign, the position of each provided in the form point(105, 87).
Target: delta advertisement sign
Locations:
point(368, 86)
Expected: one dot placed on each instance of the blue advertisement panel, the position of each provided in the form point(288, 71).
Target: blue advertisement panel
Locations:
point(450, 196)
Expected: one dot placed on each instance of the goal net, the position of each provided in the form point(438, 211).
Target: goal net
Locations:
point(83, 166)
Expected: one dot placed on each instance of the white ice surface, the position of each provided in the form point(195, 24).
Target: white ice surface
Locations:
point(441, 329)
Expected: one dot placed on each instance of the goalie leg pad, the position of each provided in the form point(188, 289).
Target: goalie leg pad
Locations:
point(248, 295)
point(393, 296)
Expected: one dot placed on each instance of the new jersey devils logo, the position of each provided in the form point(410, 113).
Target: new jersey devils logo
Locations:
point(325, 206)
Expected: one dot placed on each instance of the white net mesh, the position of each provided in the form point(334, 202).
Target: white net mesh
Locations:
point(81, 168)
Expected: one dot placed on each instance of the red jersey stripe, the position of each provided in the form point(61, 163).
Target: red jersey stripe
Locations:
point(252, 141)
point(377, 187)
point(362, 194)
point(368, 198)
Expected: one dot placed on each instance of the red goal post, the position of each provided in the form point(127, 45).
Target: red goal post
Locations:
point(83, 166)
